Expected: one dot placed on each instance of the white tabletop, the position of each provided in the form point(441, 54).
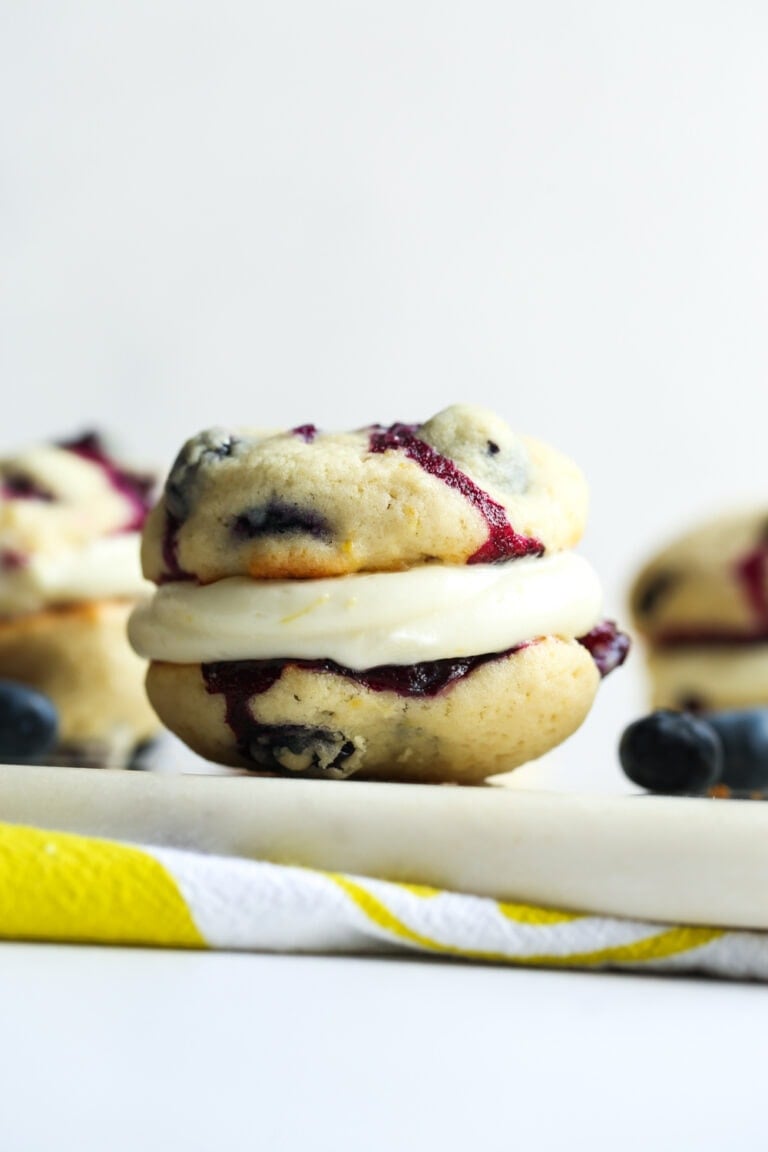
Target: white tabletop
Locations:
point(110, 1049)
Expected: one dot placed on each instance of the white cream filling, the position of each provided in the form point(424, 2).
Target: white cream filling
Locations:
point(429, 613)
point(109, 567)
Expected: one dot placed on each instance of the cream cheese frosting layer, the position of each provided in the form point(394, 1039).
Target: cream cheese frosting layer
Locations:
point(107, 568)
point(433, 612)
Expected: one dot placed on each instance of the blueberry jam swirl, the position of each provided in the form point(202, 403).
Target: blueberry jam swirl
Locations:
point(170, 547)
point(503, 542)
point(136, 488)
point(11, 560)
point(751, 575)
point(238, 681)
point(246, 678)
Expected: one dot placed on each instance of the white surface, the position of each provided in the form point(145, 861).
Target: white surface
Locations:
point(339, 212)
point(651, 858)
point(165, 1052)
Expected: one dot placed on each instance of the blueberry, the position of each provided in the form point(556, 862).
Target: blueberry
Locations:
point(607, 646)
point(656, 589)
point(142, 756)
point(18, 486)
point(28, 722)
point(692, 702)
point(278, 519)
point(300, 749)
point(211, 446)
point(306, 432)
point(744, 736)
point(672, 752)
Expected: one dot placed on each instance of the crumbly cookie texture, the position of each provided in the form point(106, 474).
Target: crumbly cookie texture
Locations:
point(460, 488)
point(79, 657)
point(710, 582)
point(59, 497)
point(319, 722)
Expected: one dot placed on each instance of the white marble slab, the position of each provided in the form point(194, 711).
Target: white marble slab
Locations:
point(698, 861)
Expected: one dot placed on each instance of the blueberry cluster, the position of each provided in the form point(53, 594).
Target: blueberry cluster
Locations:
point(715, 754)
point(29, 722)
point(317, 752)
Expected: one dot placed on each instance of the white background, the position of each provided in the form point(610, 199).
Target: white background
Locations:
point(273, 213)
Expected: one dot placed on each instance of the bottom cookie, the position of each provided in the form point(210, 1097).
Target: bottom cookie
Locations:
point(443, 721)
point(79, 656)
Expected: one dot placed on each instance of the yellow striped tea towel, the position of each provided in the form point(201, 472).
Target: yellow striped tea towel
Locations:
point(60, 887)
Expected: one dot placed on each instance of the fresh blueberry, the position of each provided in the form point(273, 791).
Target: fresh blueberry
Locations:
point(278, 519)
point(744, 736)
point(28, 722)
point(672, 752)
point(300, 749)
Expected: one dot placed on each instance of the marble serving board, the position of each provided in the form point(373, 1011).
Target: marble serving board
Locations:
point(680, 860)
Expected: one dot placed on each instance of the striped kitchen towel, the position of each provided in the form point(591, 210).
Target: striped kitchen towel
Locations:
point(60, 887)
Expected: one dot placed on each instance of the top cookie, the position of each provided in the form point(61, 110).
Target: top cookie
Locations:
point(709, 584)
point(59, 497)
point(461, 488)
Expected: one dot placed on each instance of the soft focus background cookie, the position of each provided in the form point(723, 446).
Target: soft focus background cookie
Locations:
point(284, 718)
point(70, 515)
point(55, 497)
point(702, 606)
point(713, 578)
point(79, 657)
point(460, 488)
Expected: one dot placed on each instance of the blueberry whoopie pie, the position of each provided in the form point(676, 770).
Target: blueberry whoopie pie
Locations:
point(393, 603)
point(701, 606)
point(70, 518)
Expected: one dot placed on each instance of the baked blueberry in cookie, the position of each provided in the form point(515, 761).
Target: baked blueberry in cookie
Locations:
point(70, 516)
point(397, 602)
point(701, 606)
